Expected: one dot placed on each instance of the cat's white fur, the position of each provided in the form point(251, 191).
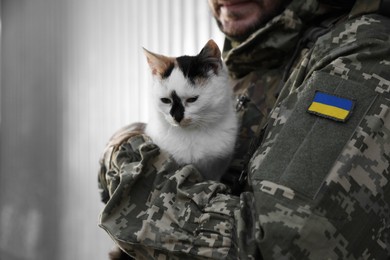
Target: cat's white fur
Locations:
point(208, 132)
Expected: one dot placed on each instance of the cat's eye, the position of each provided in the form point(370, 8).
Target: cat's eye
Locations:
point(192, 100)
point(166, 100)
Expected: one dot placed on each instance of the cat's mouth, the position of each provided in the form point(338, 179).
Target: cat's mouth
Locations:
point(186, 122)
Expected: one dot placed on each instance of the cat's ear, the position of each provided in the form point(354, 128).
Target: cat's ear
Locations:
point(160, 65)
point(211, 55)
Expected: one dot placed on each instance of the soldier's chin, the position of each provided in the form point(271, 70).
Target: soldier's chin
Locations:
point(239, 29)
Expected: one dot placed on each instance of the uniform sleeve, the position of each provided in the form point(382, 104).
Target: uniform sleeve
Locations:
point(321, 181)
point(158, 209)
point(118, 138)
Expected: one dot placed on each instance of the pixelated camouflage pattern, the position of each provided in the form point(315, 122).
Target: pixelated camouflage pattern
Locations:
point(157, 209)
point(271, 46)
point(106, 175)
point(318, 189)
point(348, 217)
point(257, 65)
point(259, 94)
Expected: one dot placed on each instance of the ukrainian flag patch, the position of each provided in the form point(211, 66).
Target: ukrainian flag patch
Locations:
point(331, 106)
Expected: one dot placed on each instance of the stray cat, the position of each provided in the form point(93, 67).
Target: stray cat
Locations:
point(193, 118)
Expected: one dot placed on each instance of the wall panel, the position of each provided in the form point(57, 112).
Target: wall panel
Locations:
point(72, 73)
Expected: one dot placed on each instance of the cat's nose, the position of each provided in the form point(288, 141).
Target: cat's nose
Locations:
point(177, 114)
point(177, 117)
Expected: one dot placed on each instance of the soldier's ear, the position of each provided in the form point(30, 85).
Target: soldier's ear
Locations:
point(159, 64)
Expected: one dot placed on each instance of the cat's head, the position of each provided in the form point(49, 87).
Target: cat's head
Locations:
point(190, 90)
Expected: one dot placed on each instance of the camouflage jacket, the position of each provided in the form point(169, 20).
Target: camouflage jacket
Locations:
point(318, 183)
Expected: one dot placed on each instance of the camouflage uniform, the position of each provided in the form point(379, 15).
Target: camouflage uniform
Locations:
point(318, 187)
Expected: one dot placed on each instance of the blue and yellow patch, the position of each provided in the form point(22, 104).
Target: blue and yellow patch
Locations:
point(331, 106)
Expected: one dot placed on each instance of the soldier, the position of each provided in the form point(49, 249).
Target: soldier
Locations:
point(313, 87)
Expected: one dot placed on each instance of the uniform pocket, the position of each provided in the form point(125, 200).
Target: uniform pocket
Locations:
point(307, 145)
point(364, 160)
point(355, 193)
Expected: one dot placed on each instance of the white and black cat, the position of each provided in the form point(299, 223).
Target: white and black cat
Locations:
point(193, 116)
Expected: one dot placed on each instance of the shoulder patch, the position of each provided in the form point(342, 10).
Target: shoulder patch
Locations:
point(331, 106)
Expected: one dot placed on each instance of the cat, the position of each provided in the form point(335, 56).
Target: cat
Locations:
point(193, 116)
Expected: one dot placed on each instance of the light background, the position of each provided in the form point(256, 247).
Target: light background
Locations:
point(72, 73)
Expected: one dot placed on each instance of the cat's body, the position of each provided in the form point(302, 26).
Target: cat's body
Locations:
point(193, 117)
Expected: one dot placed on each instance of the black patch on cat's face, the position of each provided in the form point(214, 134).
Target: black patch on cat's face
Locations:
point(177, 109)
point(193, 67)
point(168, 71)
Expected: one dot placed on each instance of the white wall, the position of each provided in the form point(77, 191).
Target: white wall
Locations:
point(72, 73)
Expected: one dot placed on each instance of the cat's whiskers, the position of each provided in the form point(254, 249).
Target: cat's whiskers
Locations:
point(186, 122)
point(201, 123)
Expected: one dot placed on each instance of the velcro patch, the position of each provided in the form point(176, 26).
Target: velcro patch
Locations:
point(331, 106)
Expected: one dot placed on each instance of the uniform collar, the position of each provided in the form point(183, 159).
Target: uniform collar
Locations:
point(271, 44)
